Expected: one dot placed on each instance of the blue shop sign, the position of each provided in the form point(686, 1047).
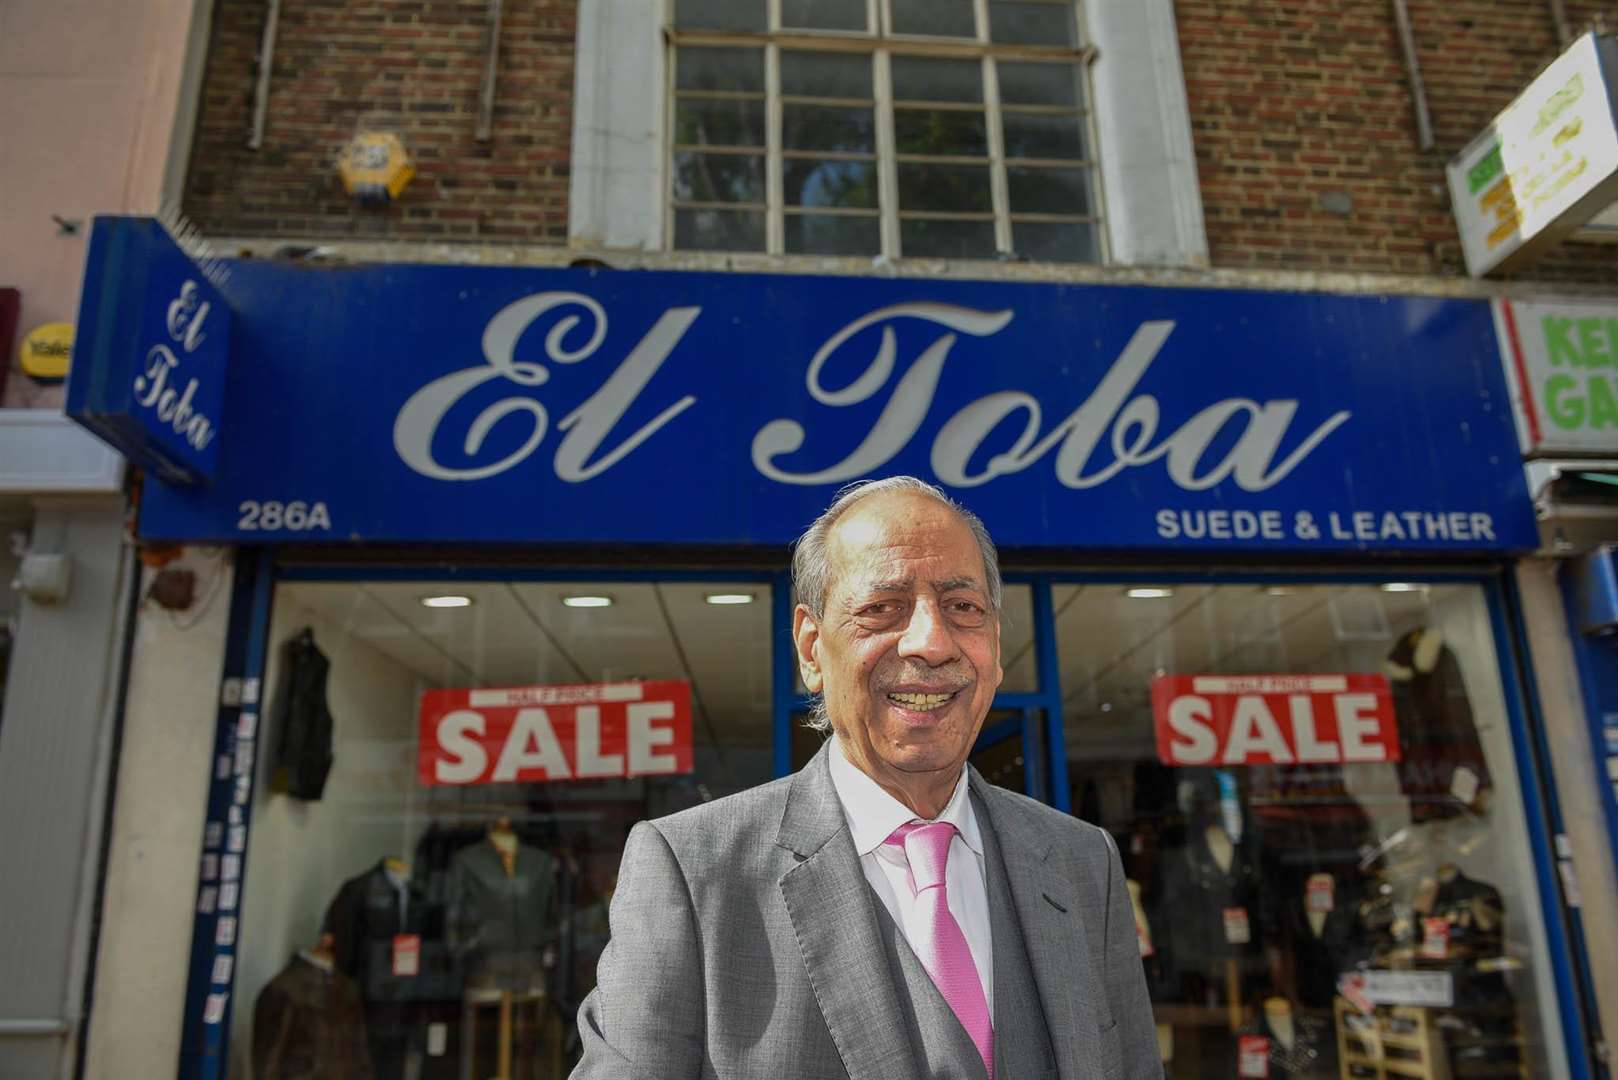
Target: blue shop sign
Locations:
point(150, 352)
point(477, 404)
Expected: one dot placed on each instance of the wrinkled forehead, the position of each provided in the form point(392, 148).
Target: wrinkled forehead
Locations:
point(912, 544)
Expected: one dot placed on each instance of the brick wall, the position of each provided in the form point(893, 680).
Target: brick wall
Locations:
point(409, 66)
point(1290, 102)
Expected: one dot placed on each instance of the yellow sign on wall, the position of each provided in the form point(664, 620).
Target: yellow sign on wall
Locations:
point(374, 166)
point(47, 351)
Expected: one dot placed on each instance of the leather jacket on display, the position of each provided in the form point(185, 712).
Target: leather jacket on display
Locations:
point(1437, 734)
point(303, 723)
point(308, 1024)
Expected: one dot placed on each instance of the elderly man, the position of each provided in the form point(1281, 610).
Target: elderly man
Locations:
point(884, 914)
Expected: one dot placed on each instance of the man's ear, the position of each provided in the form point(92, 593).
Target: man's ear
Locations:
point(805, 634)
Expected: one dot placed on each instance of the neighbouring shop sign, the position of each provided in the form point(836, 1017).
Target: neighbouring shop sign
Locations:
point(1544, 166)
point(1274, 719)
point(471, 404)
point(530, 734)
point(150, 352)
point(1562, 356)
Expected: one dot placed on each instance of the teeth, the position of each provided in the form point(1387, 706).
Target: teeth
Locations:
point(921, 701)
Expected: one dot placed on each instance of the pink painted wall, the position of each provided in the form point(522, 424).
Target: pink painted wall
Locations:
point(89, 96)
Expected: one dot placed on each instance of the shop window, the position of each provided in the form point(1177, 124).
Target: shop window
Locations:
point(954, 129)
point(1315, 794)
point(431, 898)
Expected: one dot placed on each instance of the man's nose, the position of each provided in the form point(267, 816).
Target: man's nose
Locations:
point(927, 636)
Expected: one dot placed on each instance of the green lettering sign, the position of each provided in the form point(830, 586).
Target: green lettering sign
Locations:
point(1483, 173)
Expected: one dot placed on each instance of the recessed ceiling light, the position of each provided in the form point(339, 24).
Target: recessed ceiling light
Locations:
point(723, 598)
point(587, 601)
point(1279, 590)
point(1150, 594)
point(1403, 586)
point(446, 601)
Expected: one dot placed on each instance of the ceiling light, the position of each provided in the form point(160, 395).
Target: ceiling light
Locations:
point(722, 598)
point(1279, 590)
point(1150, 594)
point(587, 601)
point(1403, 586)
point(446, 601)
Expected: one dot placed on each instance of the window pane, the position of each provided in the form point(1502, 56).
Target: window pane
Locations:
point(955, 188)
point(1043, 135)
point(939, 18)
point(1040, 84)
point(824, 14)
point(827, 127)
point(829, 183)
point(939, 131)
point(1018, 654)
point(718, 177)
point(1050, 241)
point(1033, 24)
point(826, 234)
point(719, 69)
point(1049, 191)
point(719, 123)
point(400, 842)
point(719, 230)
point(721, 14)
point(947, 239)
point(1306, 782)
point(917, 78)
point(815, 74)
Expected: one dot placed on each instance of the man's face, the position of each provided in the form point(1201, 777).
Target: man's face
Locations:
point(907, 653)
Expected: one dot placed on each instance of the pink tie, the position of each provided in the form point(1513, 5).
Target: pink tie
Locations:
point(942, 948)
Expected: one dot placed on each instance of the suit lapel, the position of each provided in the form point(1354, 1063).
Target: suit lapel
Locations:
point(1054, 934)
point(834, 919)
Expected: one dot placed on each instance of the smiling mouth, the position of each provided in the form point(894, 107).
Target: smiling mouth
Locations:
point(923, 702)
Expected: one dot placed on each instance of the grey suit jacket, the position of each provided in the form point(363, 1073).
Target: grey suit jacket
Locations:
point(745, 944)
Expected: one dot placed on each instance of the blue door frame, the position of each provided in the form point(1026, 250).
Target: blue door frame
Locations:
point(1037, 720)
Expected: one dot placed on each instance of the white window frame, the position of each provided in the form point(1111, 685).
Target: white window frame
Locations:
point(1146, 182)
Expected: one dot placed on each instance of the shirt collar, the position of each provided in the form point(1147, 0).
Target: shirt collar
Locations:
point(872, 814)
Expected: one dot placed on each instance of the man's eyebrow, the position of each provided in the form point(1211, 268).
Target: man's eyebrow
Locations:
point(943, 585)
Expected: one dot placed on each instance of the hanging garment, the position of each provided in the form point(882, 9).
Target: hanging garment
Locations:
point(303, 756)
point(308, 1024)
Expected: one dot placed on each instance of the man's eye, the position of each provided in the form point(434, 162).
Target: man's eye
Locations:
point(880, 608)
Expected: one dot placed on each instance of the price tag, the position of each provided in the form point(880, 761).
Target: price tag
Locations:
point(407, 954)
point(1253, 1057)
point(1435, 938)
point(437, 1039)
point(1320, 893)
point(1143, 937)
point(1238, 931)
point(1463, 784)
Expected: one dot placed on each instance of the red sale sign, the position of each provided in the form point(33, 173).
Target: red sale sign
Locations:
point(1273, 719)
point(527, 734)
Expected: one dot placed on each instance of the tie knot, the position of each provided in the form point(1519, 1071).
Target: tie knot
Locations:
point(926, 848)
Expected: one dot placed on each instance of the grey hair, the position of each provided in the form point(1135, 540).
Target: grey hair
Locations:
point(811, 565)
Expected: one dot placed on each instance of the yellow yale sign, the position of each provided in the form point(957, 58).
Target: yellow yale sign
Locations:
point(47, 351)
point(374, 166)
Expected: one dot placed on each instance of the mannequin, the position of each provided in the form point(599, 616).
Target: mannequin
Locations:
point(308, 1023)
point(1278, 1016)
point(1283, 1043)
point(1442, 769)
point(389, 938)
point(503, 924)
point(1208, 927)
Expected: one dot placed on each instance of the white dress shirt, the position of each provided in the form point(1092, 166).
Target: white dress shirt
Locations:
point(872, 815)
